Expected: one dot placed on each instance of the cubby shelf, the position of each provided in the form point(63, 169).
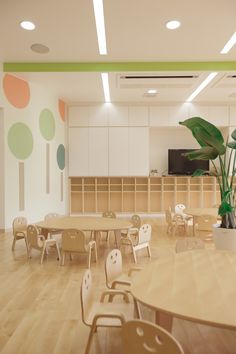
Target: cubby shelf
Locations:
point(141, 194)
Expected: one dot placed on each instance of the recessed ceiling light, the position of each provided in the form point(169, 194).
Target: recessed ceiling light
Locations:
point(202, 86)
point(100, 26)
point(229, 44)
point(174, 24)
point(105, 83)
point(39, 48)
point(27, 25)
point(152, 91)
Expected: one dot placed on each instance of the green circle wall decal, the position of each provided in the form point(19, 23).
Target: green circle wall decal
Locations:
point(20, 141)
point(47, 124)
point(61, 156)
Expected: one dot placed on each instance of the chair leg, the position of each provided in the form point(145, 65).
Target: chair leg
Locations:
point(95, 252)
point(137, 309)
point(89, 257)
point(13, 244)
point(26, 243)
point(43, 252)
point(134, 254)
point(63, 258)
point(92, 331)
point(58, 252)
point(149, 251)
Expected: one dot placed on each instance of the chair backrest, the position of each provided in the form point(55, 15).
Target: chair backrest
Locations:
point(142, 337)
point(205, 222)
point(109, 214)
point(145, 233)
point(73, 240)
point(113, 265)
point(188, 244)
point(32, 237)
point(51, 216)
point(136, 221)
point(86, 294)
point(179, 208)
point(19, 224)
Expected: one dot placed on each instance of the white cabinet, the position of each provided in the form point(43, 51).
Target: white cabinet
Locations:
point(232, 116)
point(118, 116)
point(98, 115)
point(98, 151)
point(158, 116)
point(138, 116)
point(138, 151)
point(118, 151)
point(219, 115)
point(196, 110)
point(78, 152)
point(78, 116)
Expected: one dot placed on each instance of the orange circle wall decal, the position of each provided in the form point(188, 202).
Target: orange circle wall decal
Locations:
point(62, 109)
point(17, 91)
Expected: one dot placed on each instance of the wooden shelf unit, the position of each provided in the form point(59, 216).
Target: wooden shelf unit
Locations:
point(141, 194)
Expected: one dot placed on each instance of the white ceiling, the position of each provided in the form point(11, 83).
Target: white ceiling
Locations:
point(136, 32)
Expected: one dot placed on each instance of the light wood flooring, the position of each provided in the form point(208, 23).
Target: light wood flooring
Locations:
point(40, 304)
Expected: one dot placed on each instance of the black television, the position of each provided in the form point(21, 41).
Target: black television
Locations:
point(181, 165)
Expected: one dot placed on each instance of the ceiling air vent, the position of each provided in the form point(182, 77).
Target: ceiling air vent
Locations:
point(156, 80)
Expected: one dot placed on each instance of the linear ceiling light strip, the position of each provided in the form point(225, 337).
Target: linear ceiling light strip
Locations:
point(106, 89)
point(100, 26)
point(117, 66)
point(206, 82)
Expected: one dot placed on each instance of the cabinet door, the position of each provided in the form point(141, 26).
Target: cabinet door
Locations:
point(78, 116)
point(78, 152)
point(98, 151)
point(138, 151)
point(118, 151)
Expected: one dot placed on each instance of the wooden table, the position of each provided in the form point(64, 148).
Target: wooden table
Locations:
point(195, 212)
point(87, 223)
point(197, 285)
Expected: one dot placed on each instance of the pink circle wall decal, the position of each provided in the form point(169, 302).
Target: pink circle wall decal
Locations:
point(62, 109)
point(17, 91)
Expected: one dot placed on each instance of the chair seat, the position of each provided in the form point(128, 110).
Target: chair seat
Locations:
point(123, 279)
point(97, 308)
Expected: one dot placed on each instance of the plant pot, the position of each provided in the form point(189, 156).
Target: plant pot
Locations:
point(224, 239)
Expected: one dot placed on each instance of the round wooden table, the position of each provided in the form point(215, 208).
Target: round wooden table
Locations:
point(195, 212)
point(87, 223)
point(197, 285)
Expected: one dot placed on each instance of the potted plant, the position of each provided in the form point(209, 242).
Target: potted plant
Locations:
point(213, 147)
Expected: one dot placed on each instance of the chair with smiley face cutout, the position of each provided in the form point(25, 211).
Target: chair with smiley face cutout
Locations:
point(142, 337)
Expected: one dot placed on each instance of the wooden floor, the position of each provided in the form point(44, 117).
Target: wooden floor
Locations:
point(40, 304)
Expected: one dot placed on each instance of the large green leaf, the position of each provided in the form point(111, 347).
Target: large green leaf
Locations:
point(232, 145)
point(225, 208)
point(199, 172)
point(210, 129)
point(233, 135)
point(205, 153)
point(208, 140)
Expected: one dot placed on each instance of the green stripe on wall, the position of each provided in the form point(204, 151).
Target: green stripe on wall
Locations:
point(121, 66)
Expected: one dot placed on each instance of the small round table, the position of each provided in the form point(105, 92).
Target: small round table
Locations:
point(195, 212)
point(197, 285)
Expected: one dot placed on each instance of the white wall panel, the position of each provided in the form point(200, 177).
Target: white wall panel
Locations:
point(118, 151)
point(78, 116)
point(138, 116)
point(78, 151)
point(118, 115)
point(138, 151)
point(98, 151)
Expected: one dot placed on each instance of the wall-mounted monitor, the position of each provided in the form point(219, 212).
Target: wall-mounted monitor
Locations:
point(181, 165)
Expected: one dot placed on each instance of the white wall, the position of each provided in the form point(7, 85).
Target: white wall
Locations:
point(2, 179)
point(37, 201)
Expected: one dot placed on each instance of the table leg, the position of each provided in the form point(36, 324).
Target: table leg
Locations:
point(118, 237)
point(164, 320)
point(194, 223)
